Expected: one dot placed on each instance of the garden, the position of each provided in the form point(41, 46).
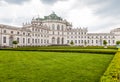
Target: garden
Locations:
point(55, 63)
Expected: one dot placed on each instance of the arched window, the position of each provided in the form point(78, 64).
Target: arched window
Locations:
point(32, 40)
point(62, 28)
point(53, 27)
point(4, 39)
point(58, 40)
point(18, 40)
point(23, 40)
point(53, 40)
point(28, 40)
point(63, 41)
point(58, 27)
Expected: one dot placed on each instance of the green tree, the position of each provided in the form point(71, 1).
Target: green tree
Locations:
point(117, 42)
point(15, 43)
point(72, 43)
point(105, 43)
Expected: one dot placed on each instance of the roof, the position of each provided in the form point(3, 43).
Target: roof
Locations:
point(52, 16)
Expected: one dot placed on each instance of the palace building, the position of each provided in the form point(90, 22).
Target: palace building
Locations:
point(53, 30)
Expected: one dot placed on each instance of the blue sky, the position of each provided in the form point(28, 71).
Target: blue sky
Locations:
point(97, 15)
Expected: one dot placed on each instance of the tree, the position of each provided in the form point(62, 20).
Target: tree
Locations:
point(72, 43)
point(15, 43)
point(117, 42)
point(105, 43)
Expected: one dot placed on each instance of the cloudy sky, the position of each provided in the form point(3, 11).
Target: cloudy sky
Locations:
point(96, 15)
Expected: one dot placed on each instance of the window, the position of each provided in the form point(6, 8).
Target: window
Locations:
point(44, 41)
point(38, 40)
point(62, 28)
point(113, 41)
point(92, 41)
point(23, 40)
point(41, 30)
point(81, 41)
point(28, 34)
point(58, 27)
point(48, 41)
point(41, 35)
point(75, 41)
point(18, 40)
point(4, 31)
point(28, 40)
point(4, 39)
point(67, 41)
point(53, 27)
point(18, 32)
point(82, 33)
point(23, 33)
point(32, 40)
point(41, 40)
point(11, 32)
point(104, 36)
point(35, 29)
point(35, 40)
point(109, 41)
point(32, 29)
point(88, 41)
point(96, 41)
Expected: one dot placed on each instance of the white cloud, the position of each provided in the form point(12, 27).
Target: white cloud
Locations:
point(78, 12)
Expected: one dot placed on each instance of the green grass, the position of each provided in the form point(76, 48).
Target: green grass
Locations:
point(16, 66)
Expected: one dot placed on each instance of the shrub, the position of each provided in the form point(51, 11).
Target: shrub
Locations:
point(72, 43)
point(112, 74)
point(117, 42)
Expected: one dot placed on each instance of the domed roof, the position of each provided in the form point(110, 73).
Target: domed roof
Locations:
point(52, 16)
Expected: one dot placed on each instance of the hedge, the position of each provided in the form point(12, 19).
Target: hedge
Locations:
point(112, 74)
point(66, 47)
point(105, 51)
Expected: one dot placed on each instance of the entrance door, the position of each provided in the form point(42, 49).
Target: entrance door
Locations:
point(11, 41)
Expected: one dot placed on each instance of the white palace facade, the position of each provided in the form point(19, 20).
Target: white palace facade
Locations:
point(53, 30)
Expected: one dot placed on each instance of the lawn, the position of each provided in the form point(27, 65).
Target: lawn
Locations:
point(26, 66)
